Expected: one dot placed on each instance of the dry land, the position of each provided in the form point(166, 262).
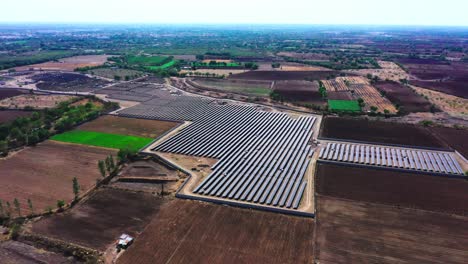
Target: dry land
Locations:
point(68, 64)
point(128, 126)
point(284, 75)
point(97, 222)
point(408, 100)
point(10, 115)
point(34, 101)
point(44, 173)
point(378, 132)
point(13, 252)
point(357, 232)
point(195, 232)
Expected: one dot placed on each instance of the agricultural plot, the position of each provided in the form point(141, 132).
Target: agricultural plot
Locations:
point(380, 156)
point(396, 188)
point(299, 92)
point(8, 93)
point(359, 87)
point(284, 75)
point(151, 62)
point(403, 96)
point(217, 64)
point(358, 232)
point(10, 115)
point(48, 170)
point(68, 64)
point(363, 130)
point(17, 252)
point(443, 76)
point(111, 73)
point(100, 139)
point(455, 138)
point(97, 222)
point(193, 232)
point(247, 87)
point(344, 106)
point(128, 126)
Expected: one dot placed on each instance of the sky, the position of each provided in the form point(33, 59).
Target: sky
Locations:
point(340, 12)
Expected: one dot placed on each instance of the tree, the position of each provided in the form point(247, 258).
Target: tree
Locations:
point(102, 168)
point(275, 65)
point(361, 102)
point(60, 204)
point(30, 205)
point(2, 211)
point(3, 147)
point(76, 187)
point(17, 206)
point(373, 108)
point(117, 77)
point(8, 209)
point(111, 162)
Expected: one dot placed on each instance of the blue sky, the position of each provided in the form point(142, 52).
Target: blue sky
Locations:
point(369, 12)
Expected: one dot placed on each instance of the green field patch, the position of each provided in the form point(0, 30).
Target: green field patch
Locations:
point(105, 140)
point(344, 105)
point(162, 67)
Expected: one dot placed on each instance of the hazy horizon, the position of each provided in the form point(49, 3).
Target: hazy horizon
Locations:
point(242, 12)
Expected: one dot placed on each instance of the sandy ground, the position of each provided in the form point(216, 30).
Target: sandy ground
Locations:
point(390, 71)
point(216, 71)
point(453, 105)
point(68, 64)
point(35, 101)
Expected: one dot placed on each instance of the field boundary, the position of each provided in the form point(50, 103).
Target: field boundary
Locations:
point(383, 144)
point(434, 174)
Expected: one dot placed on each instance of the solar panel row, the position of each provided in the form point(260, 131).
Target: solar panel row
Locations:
point(432, 161)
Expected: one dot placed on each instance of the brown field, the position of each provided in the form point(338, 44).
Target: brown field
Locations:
point(290, 66)
point(389, 71)
point(284, 75)
point(34, 101)
point(16, 252)
point(378, 132)
point(359, 87)
point(455, 106)
point(215, 71)
point(402, 189)
point(128, 126)
point(10, 115)
point(443, 76)
point(404, 96)
point(217, 60)
point(101, 219)
point(244, 87)
point(299, 92)
point(305, 56)
point(356, 232)
point(44, 173)
point(455, 138)
point(8, 92)
point(194, 232)
point(68, 64)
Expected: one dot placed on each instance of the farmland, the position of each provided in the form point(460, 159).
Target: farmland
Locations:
point(187, 231)
point(100, 139)
point(403, 96)
point(378, 132)
point(68, 64)
point(49, 164)
point(299, 92)
point(10, 115)
point(455, 138)
point(17, 252)
point(248, 87)
point(402, 189)
point(7, 93)
point(128, 126)
point(101, 219)
point(344, 105)
point(283, 75)
point(358, 232)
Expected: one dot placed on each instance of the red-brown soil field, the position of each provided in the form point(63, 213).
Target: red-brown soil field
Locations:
point(356, 232)
point(44, 173)
point(455, 138)
point(101, 219)
point(68, 64)
point(10, 115)
point(403, 189)
point(7, 93)
point(378, 132)
point(195, 232)
point(13, 252)
point(284, 75)
point(299, 92)
point(408, 100)
point(128, 126)
point(442, 76)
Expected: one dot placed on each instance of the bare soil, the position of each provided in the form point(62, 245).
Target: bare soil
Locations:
point(68, 82)
point(101, 219)
point(284, 75)
point(17, 252)
point(34, 101)
point(402, 189)
point(68, 64)
point(186, 231)
point(357, 232)
point(455, 138)
point(404, 96)
point(8, 92)
point(128, 126)
point(378, 132)
point(10, 115)
point(44, 173)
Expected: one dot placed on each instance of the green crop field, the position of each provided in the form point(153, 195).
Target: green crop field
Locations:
point(164, 66)
point(344, 105)
point(99, 139)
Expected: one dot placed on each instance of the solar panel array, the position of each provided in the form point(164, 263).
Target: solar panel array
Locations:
point(411, 159)
point(263, 156)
